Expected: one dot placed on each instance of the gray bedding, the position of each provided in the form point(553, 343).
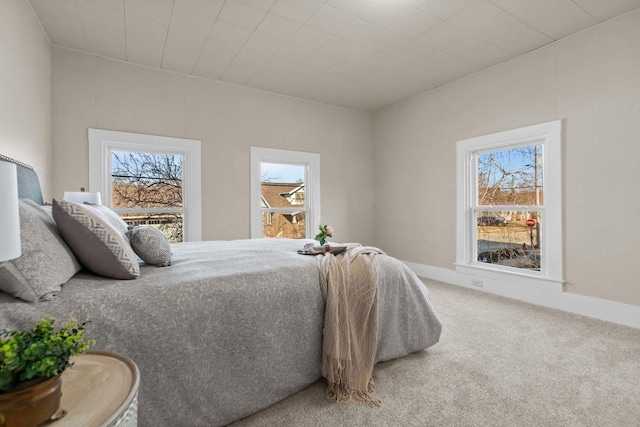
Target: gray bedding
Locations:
point(227, 330)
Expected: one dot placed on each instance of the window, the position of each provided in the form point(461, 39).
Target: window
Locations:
point(285, 193)
point(149, 180)
point(509, 216)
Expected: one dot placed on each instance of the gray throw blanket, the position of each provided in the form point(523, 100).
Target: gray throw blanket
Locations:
point(349, 285)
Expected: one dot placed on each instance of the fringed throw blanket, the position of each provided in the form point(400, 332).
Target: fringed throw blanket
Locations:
point(349, 285)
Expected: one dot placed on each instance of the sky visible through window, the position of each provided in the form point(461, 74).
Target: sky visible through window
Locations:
point(156, 164)
point(278, 172)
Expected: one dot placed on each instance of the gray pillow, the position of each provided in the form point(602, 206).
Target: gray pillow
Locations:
point(150, 245)
point(14, 283)
point(99, 246)
point(46, 261)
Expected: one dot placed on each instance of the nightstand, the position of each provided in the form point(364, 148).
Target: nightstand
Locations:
point(100, 389)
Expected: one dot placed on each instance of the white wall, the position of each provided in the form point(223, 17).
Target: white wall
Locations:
point(25, 89)
point(90, 91)
point(591, 81)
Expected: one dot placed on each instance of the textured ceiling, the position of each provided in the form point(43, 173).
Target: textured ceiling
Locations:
point(360, 54)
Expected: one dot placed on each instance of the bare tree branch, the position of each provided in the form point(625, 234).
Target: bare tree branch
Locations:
point(149, 180)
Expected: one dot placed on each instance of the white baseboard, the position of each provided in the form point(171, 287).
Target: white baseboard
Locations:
point(616, 312)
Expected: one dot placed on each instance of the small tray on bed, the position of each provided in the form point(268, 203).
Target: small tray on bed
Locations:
point(310, 249)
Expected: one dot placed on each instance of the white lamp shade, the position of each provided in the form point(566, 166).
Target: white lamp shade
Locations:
point(9, 213)
point(82, 196)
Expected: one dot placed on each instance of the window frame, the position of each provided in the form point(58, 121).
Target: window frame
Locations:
point(549, 135)
point(103, 142)
point(311, 162)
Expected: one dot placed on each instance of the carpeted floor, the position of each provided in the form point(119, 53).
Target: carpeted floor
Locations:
point(499, 362)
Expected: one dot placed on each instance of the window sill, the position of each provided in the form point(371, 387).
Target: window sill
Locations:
point(515, 277)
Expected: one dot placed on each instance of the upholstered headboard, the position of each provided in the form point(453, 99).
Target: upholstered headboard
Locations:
point(28, 183)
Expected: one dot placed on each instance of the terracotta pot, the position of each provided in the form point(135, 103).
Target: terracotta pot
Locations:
point(31, 406)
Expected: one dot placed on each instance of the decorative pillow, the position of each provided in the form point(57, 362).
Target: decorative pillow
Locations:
point(46, 261)
point(113, 218)
point(47, 209)
point(150, 245)
point(96, 243)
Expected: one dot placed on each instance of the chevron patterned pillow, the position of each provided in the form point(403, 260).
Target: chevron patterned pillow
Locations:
point(150, 245)
point(98, 246)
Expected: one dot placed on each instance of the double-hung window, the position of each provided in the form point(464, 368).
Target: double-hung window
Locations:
point(285, 193)
point(509, 215)
point(149, 180)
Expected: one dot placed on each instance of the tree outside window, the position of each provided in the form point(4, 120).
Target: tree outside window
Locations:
point(146, 189)
point(510, 181)
point(149, 180)
point(509, 206)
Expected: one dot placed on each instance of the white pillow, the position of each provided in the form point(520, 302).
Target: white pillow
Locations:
point(113, 218)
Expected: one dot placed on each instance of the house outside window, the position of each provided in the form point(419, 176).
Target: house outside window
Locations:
point(276, 195)
point(509, 217)
point(285, 193)
point(149, 180)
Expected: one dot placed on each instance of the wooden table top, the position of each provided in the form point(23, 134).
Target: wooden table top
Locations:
point(96, 389)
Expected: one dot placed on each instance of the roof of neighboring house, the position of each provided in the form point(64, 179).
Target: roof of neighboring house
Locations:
point(272, 193)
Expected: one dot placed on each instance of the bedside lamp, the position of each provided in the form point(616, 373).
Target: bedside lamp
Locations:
point(9, 213)
point(82, 197)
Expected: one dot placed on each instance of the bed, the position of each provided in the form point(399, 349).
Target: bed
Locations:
point(230, 328)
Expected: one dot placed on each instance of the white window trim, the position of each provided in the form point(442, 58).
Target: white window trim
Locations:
point(311, 161)
point(102, 142)
point(550, 135)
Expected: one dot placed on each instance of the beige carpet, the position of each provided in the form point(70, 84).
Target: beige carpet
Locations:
point(499, 362)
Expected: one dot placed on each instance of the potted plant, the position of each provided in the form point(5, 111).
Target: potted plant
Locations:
point(31, 364)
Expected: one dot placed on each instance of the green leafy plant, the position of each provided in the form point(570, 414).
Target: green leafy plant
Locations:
point(325, 231)
point(39, 353)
